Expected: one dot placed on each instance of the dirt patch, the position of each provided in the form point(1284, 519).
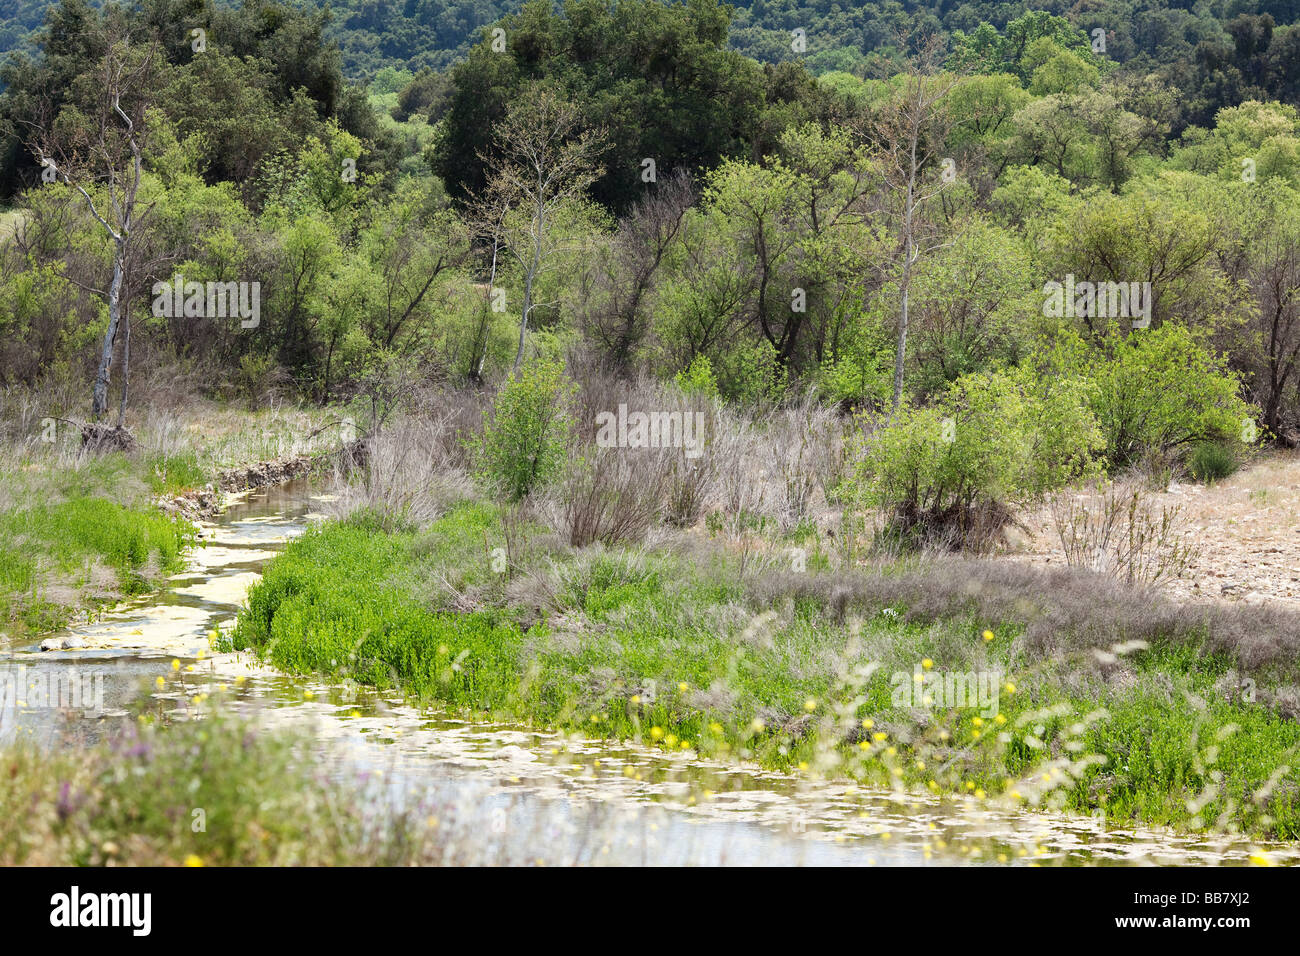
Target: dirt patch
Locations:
point(1243, 532)
point(97, 437)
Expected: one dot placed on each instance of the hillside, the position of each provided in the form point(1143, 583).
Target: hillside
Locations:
point(18, 19)
point(411, 34)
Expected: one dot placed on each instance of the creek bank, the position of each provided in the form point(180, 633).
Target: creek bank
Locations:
point(544, 781)
point(204, 504)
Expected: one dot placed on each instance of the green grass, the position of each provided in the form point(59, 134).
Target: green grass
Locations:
point(663, 649)
point(66, 516)
point(64, 541)
point(1209, 462)
point(170, 474)
point(65, 520)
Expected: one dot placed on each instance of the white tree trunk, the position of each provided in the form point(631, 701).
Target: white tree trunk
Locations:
point(99, 401)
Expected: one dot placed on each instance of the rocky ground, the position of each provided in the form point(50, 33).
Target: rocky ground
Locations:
point(1243, 534)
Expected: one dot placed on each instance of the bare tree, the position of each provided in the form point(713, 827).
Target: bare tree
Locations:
point(544, 161)
point(618, 286)
point(908, 132)
point(1274, 367)
point(104, 150)
point(488, 220)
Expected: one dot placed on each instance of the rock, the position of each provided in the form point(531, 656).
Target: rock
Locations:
point(207, 502)
point(62, 643)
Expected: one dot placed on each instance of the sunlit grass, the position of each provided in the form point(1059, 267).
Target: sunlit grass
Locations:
point(670, 650)
point(79, 531)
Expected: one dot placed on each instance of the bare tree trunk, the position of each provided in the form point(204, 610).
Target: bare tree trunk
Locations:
point(481, 336)
point(528, 285)
point(905, 284)
point(523, 322)
point(126, 367)
point(921, 112)
point(903, 319)
point(99, 399)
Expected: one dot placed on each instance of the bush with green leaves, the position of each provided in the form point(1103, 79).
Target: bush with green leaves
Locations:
point(948, 474)
point(1211, 461)
point(526, 432)
point(1161, 393)
point(697, 379)
point(861, 372)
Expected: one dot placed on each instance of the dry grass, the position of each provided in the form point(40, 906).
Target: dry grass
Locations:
point(9, 220)
point(806, 441)
point(1243, 534)
point(168, 422)
point(610, 494)
point(1058, 611)
point(412, 474)
point(1118, 530)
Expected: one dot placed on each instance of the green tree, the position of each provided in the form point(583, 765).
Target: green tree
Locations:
point(657, 77)
point(545, 161)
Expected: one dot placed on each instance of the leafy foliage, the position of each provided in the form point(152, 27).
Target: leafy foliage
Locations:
point(1161, 392)
point(525, 436)
point(946, 474)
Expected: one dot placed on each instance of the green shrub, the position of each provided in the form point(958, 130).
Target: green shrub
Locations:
point(862, 371)
point(1161, 393)
point(947, 475)
point(526, 433)
point(1211, 461)
point(697, 379)
point(750, 374)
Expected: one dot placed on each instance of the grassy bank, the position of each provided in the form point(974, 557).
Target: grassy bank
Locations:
point(81, 531)
point(1093, 698)
point(96, 549)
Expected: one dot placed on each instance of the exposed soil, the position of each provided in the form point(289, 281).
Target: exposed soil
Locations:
point(1243, 532)
point(98, 437)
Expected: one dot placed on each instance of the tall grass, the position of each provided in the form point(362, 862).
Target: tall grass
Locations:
point(68, 543)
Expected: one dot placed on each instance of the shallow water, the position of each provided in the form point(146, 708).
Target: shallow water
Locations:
point(525, 795)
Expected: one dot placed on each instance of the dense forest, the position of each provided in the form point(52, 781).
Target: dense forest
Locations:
point(616, 185)
point(1186, 39)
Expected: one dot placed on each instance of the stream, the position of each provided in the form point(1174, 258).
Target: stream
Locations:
point(515, 794)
